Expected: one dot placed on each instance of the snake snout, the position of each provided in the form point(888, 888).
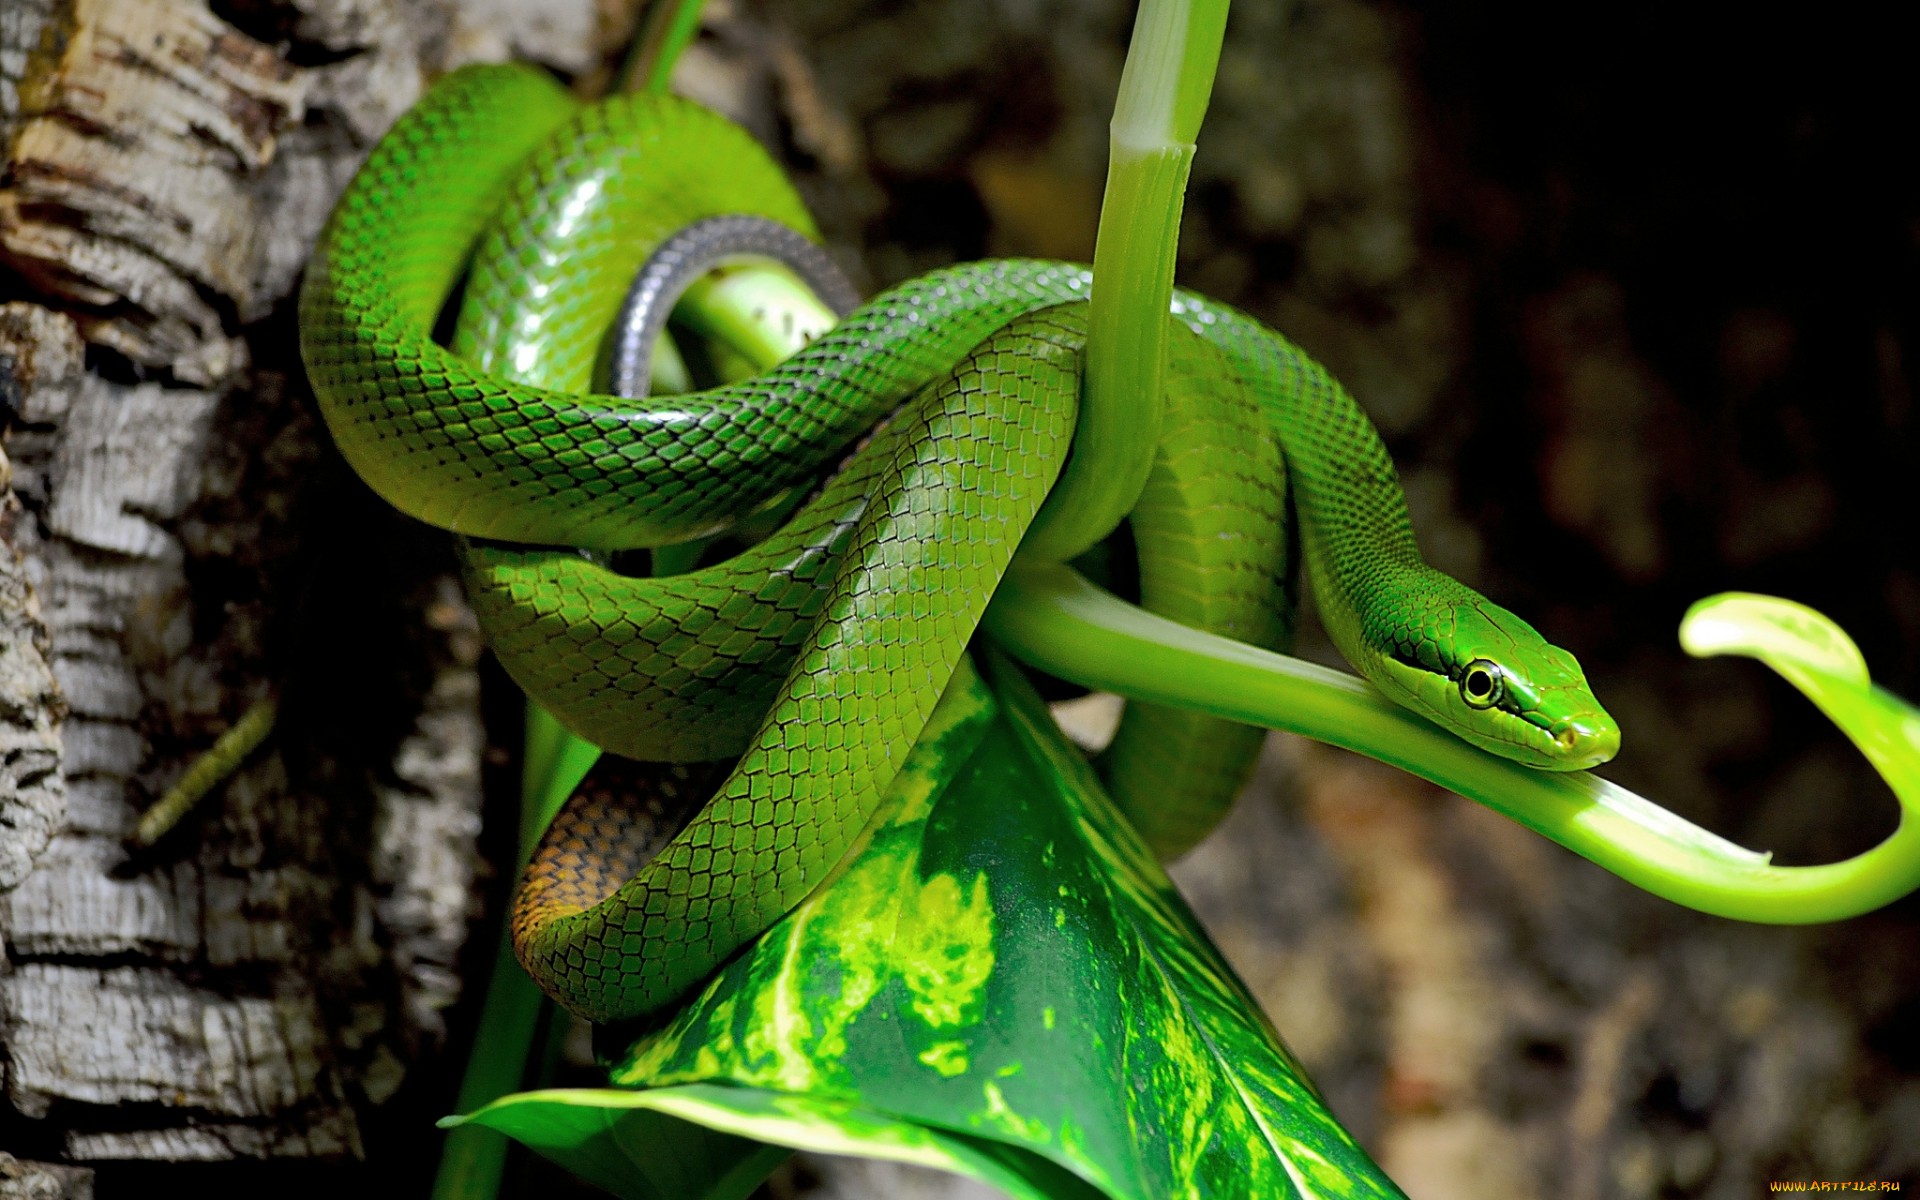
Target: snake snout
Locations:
point(1586, 741)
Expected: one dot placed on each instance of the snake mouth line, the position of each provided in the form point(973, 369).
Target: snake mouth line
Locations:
point(1579, 743)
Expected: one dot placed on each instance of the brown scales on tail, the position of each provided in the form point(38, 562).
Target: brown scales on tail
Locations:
point(612, 825)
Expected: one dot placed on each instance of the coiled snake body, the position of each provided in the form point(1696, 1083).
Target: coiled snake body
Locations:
point(813, 659)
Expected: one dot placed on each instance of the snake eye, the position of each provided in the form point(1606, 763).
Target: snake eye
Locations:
point(1481, 683)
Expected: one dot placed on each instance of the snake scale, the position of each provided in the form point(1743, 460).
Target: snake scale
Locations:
point(806, 665)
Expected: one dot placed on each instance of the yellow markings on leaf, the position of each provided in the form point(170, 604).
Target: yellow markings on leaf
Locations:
point(949, 958)
point(713, 1040)
point(782, 1032)
point(1309, 1172)
point(948, 1058)
point(1000, 1114)
point(1330, 1179)
point(876, 919)
point(1187, 1064)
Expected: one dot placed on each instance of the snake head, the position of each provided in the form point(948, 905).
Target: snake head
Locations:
point(1484, 674)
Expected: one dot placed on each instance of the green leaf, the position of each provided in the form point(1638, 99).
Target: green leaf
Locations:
point(673, 1143)
point(553, 764)
point(631, 1143)
point(1001, 982)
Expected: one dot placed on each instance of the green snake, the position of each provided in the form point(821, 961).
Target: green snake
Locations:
point(786, 684)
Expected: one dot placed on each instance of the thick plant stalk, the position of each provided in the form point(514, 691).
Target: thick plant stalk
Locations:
point(1156, 117)
point(665, 29)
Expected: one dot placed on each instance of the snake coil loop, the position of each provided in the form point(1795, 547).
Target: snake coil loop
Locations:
point(815, 657)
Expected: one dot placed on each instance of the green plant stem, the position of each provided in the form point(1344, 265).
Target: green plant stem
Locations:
point(1043, 613)
point(664, 30)
point(471, 1160)
point(1163, 96)
point(725, 306)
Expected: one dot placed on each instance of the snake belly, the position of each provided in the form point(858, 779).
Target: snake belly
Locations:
point(815, 657)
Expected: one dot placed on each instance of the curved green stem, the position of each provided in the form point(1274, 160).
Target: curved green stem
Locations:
point(1051, 618)
point(1163, 95)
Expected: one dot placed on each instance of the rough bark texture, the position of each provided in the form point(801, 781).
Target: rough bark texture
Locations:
point(43, 1181)
point(177, 538)
point(37, 355)
point(1635, 312)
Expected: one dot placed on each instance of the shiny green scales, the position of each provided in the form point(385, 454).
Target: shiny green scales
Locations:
point(817, 655)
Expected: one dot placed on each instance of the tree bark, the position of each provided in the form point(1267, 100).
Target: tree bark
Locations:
point(270, 977)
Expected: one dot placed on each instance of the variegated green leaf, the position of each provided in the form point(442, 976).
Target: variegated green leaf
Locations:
point(688, 1142)
point(1001, 982)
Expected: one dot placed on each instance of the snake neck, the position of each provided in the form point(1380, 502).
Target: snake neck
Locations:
point(1424, 639)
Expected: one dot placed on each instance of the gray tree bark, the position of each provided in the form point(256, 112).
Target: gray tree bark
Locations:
point(270, 977)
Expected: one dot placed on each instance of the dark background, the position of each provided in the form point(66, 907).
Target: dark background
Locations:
point(1630, 289)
